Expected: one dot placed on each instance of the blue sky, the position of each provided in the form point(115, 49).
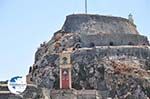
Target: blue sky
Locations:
point(24, 24)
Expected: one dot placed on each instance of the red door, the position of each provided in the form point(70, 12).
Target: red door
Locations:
point(65, 79)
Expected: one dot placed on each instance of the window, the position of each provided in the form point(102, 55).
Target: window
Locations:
point(31, 79)
point(78, 46)
point(92, 44)
point(130, 43)
point(111, 43)
point(30, 69)
point(64, 60)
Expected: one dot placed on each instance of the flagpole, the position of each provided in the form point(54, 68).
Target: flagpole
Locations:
point(85, 6)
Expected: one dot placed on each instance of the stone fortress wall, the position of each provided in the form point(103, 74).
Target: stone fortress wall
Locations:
point(105, 51)
point(84, 40)
point(98, 24)
point(113, 40)
point(103, 30)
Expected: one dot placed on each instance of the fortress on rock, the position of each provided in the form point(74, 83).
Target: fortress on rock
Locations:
point(105, 57)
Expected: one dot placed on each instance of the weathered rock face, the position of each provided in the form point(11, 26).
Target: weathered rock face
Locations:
point(110, 71)
point(118, 66)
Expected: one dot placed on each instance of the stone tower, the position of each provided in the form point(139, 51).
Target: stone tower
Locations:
point(65, 70)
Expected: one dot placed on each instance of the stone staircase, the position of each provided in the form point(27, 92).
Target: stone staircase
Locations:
point(75, 94)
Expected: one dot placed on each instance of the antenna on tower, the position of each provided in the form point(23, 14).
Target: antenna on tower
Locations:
point(85, 6)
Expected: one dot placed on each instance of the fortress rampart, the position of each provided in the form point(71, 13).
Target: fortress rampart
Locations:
point(98, 24)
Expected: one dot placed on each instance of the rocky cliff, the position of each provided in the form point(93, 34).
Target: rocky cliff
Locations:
point(109, 55)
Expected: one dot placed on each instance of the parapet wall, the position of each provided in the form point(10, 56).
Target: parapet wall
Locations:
point(97, 24)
